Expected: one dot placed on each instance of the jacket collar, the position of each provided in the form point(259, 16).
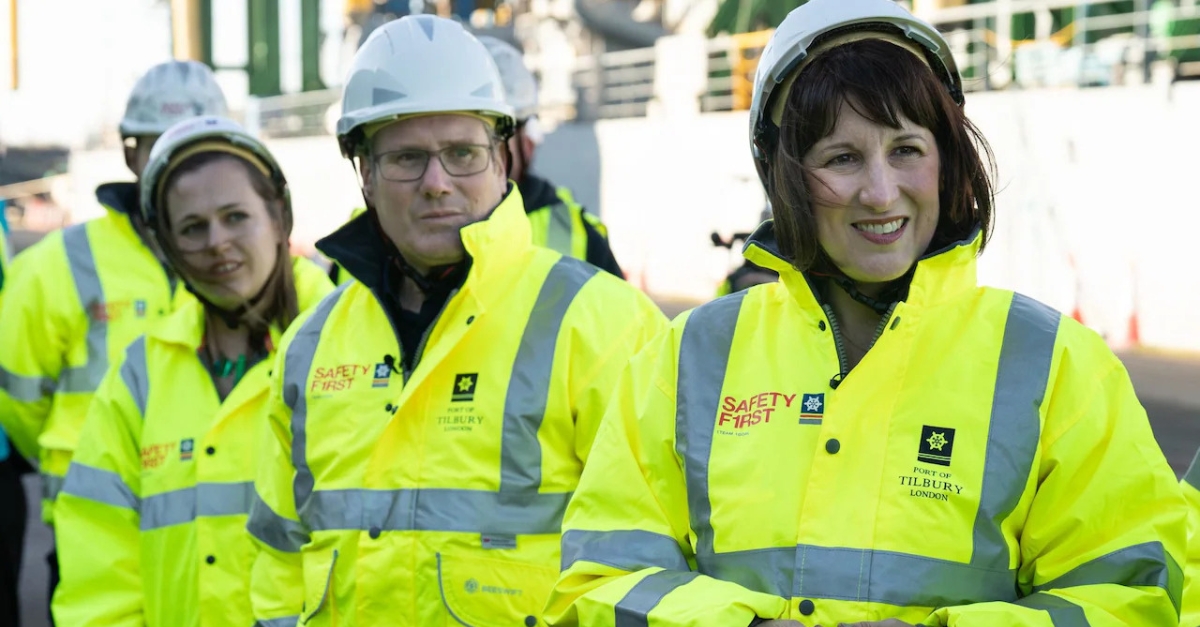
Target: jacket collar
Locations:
point(940, 275)
point(493, 245)
point(121, 202)
point(537, 192)
point(119, 197)
point(185, 325)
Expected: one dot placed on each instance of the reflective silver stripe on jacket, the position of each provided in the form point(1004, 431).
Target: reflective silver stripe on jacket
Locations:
point(202, 500)
point(633, 609)
point(86, 378)
point(26, 389)
point(518, 507)
point(102, 486)
point(51, 485)
point(559, 229)
point(135, 374)
point(286, 621)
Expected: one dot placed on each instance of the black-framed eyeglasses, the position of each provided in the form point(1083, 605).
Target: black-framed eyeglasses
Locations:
point(410, 164)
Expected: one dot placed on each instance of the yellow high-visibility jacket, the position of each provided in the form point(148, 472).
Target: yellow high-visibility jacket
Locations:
point(151, 522)
point(425, 495)
point(74, 301)
point(559, 226)
point(987, 464)
point(1191, 591)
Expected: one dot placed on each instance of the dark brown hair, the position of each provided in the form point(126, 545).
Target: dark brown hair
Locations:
point(883, 83)
point(277, 302)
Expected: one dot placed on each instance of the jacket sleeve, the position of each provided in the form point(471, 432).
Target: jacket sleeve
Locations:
point(602, 359)
point(32, 343)
point(1191, 588)
point(1105, 534)
point(97, 514)
point(623, 564)
point(277, 579)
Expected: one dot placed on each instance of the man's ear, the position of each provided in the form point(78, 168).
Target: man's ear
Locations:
point(527, 148)
point(366, 172)
point(131, 158)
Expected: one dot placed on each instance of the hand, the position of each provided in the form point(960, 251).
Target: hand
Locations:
point(891, 622)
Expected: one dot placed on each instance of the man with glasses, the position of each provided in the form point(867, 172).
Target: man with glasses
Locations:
point(430, 419)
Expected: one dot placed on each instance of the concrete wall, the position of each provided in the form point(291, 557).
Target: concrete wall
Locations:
point(1096, 204)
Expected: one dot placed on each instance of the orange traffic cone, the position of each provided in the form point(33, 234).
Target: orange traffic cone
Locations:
point(1135, 334)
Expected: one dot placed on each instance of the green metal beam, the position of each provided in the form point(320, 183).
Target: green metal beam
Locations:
point(310, 45)
point(206, 33)
point(264, 70)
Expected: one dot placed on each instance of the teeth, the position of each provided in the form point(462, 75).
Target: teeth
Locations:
point(226, 267)
point(881, 229)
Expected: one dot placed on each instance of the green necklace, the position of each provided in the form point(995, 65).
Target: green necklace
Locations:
point(223, 367)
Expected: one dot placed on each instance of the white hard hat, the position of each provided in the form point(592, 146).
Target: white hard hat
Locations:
point(170, 92)
point(793, 40)
point(519, 85)
point(420, 64)
point(188, 133)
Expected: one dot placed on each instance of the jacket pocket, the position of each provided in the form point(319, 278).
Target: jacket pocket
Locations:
point(487, 592)
point(314, 581)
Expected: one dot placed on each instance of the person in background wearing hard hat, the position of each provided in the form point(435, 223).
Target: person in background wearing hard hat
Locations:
point(750, 273)
point(431, 418)
point(559, 223)
point(151, 519)
point(78, 297)
point(976, 459)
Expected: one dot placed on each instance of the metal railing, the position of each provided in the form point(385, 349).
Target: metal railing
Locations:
point(1089, 50)
point(304, 114)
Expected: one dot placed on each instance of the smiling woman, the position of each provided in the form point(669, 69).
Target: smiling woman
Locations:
point(152, 525)
point(958, 455)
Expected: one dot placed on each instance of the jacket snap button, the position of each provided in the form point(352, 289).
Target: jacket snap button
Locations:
point(471, 319)
point(833, 446)
point(821, 325)
point(374, 532)
point(210, 450)
point(807, 607)
point(210, 559)
point(530, 621)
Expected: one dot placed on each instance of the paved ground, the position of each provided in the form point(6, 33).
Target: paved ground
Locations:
point(1169, 388)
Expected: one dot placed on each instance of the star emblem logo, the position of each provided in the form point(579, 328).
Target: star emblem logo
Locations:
point(812, 405)
point(937, 441)
point(464, 387)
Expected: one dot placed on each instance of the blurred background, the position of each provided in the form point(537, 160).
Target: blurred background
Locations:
point(1091, 109)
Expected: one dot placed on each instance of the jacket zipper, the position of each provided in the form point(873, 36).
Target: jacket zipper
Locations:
point(406, 372)
point(837, 340)
point(836, 330)
point(425, 336)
